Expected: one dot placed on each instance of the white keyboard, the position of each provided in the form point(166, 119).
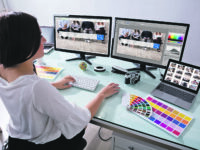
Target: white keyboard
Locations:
point(85, 83)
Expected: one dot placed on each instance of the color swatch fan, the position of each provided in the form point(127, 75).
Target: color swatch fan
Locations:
point(165, 117)
point(47, 72)
point(139, 106)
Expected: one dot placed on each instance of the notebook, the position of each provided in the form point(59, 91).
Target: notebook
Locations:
point(179, 85)
point(48, 33)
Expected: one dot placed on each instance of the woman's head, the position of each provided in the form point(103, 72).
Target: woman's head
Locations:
point(20, 38)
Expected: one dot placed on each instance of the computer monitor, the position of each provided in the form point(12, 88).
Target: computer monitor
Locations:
point(148, 42)
point(85, 35)
point(48, 34)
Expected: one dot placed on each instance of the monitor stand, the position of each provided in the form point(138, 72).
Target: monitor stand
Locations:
point(140, 67)
point(145, 68)
point(82, 57)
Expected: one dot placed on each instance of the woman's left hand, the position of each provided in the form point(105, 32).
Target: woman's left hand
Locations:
point(64, 83)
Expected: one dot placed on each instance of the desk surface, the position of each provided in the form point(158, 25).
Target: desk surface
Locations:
point(111, 110)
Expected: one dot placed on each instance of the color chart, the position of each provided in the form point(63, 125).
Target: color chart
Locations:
point(47, 72)
point(139, 106)
point(175, 37)
point(167, 118)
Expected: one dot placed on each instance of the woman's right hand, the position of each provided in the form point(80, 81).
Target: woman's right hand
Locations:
point(109, 90)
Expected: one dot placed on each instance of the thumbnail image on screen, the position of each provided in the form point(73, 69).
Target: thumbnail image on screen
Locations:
point(90, 35)
point(149, 42)
point(185, 76)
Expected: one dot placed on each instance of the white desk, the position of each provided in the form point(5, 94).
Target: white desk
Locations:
point(115, 116)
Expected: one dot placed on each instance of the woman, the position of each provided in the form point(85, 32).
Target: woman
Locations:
point(40, 118)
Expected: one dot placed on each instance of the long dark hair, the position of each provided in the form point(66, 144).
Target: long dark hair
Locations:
point(19, 38)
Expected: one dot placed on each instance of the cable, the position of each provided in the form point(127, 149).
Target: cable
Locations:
point(105, 140)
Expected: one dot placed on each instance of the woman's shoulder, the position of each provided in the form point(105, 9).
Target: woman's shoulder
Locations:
point(30, 80)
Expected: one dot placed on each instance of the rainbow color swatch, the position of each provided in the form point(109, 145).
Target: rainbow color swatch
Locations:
point(139, 106)
point(175, 37)
point(167, 118)
point(47, 72)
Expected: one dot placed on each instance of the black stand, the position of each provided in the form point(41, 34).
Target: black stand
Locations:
point(82, 57)
point(140, 67)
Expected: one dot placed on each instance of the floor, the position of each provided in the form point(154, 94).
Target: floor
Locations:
point(93, 140)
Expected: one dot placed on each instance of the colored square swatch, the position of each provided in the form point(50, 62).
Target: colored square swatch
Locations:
point(165, 117)
point(173, 121)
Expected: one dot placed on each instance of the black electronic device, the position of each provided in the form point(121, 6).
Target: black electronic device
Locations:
point(84, 35)
point(120, 70)
point(180, 84)
point(148, 43)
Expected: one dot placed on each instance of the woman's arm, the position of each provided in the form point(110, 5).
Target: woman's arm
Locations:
point(94, 104)
point(107, 91)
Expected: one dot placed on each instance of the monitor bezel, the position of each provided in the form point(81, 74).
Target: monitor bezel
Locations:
point(83, 52)
point(148, 21)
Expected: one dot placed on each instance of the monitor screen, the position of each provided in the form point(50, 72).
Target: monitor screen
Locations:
point(48, 33)
point(184, 75)
point(149, 42)
point(83, 34)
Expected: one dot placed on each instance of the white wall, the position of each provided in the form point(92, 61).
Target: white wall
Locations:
point(184, 11)
point(3, 5)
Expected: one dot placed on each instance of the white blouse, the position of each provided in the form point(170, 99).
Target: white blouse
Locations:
point(38, 112)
